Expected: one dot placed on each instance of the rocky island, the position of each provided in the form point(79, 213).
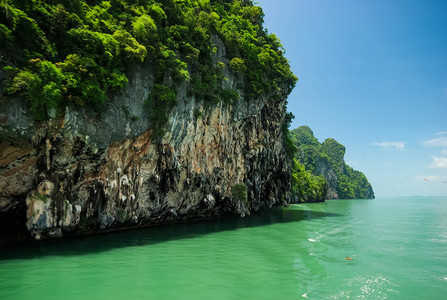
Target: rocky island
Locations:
point(319, 170)
point(121, 114)
point(118, 114)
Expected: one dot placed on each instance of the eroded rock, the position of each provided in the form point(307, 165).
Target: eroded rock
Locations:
point(80, 174)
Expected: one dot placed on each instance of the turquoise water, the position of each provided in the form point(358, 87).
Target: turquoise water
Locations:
point(398, 249)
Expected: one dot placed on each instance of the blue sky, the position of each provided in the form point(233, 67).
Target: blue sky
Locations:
point(372, 75)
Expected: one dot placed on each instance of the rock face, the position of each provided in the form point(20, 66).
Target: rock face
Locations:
point(80, 173)
point(335, 187)
point(327, 159)
point(324, 168)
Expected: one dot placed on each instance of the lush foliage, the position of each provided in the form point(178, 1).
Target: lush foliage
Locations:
point(75, 52)
point(335, 152)
point(239, 192)
point(310, 154)
point(353, 184)
point(307, 187)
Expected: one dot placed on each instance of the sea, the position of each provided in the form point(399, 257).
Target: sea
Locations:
point(385, 248)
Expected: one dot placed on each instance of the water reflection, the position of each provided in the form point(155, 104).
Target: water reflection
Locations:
point(159, 234)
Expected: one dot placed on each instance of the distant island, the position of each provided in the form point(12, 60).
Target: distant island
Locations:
point(319, 171)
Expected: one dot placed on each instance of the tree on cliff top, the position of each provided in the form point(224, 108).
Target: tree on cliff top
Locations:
point(62, 53)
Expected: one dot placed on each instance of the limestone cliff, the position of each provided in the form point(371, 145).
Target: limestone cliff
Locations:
point(115, 114)
point(327, 160)
point(78, 174)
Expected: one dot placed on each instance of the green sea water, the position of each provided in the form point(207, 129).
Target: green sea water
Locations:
point(397, 249)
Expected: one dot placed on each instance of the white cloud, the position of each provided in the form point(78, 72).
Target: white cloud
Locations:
point(439, 162)
point(398, 145)
point(444, 152)
point(438, 142)
point(441, 133)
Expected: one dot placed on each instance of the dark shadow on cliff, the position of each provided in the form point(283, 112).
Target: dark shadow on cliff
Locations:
point(152, 235)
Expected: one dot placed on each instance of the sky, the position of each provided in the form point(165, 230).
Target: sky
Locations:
point(373, 76)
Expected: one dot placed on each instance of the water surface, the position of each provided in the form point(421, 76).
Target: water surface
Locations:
point(397, 249)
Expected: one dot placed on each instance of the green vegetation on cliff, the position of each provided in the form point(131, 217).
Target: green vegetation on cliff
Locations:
point(321, 169)
point(60, 53)
point(307, 187)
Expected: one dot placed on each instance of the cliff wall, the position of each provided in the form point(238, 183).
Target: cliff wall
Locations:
point(116, 114)
point(326, 160)
point(79, 173)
